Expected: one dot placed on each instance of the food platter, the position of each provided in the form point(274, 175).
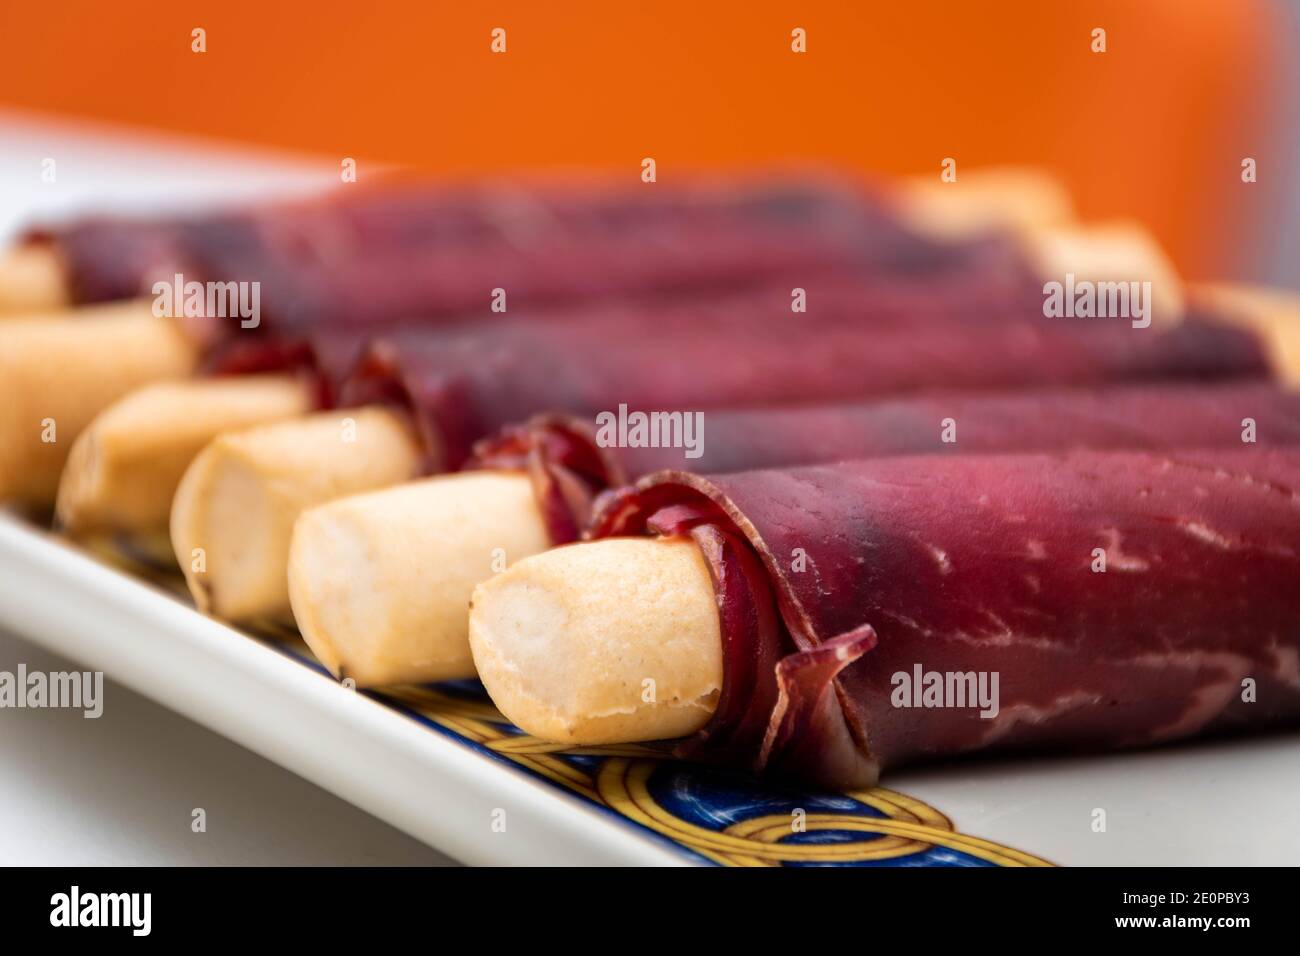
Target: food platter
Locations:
point(441, 764)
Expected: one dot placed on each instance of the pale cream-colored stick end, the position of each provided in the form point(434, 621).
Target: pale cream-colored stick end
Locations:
point(57, 374)
point(33, 279)
point(992, 199)
point(123, 470)
point(234, 511)
point(611, 641)
point(380, 582)
point(1112, 253)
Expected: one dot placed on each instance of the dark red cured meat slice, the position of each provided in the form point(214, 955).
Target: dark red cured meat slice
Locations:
point(324, 359)
point(458, 282)
point(108, 259)
point(882, 302)
point(569, 468)
point(465, 386)
point(985, 564)
point(365, 256)
point(869, 302)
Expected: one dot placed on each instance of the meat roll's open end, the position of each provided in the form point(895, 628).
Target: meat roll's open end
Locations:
point(609, 642)
point(123, 470)
point(1016, 198)
point(380, 582)
point(55, 376)
point(235, 507)
point(32, 279)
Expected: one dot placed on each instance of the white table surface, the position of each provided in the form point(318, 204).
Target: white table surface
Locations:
point(121, 789)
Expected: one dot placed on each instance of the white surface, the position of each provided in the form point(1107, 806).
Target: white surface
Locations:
point(1205, 803)
point(121, 790)
point(402, 772)
point(103, 170)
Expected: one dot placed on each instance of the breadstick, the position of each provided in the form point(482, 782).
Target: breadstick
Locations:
point(237, 502)
point(57, 374)
point(1112, 252)
point(379, 581)
point(122, 471)
point(548, 246)
point(566, 641)
point(1036, 207)
point(1016, 198)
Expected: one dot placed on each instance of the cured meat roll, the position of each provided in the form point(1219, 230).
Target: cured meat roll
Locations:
point(827, 622)
point(379, 582)
point(571, 460)
point(462, 387)
point(359, 255)
point(864, 304)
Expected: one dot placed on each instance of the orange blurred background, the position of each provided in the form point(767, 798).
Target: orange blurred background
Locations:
point(1155, 127)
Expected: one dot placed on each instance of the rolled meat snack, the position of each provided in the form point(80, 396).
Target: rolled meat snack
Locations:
point(459, 387)
point(571, 460)
point(361, 255)
point(379, 582)
point(986, 278)
point(463, 386)
point(867, 614)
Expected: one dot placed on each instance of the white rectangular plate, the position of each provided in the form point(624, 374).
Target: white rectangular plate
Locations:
point(441, 764)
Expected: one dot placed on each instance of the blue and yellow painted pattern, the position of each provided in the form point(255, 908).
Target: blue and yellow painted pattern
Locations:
point(711, 815)
point(718, 816)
